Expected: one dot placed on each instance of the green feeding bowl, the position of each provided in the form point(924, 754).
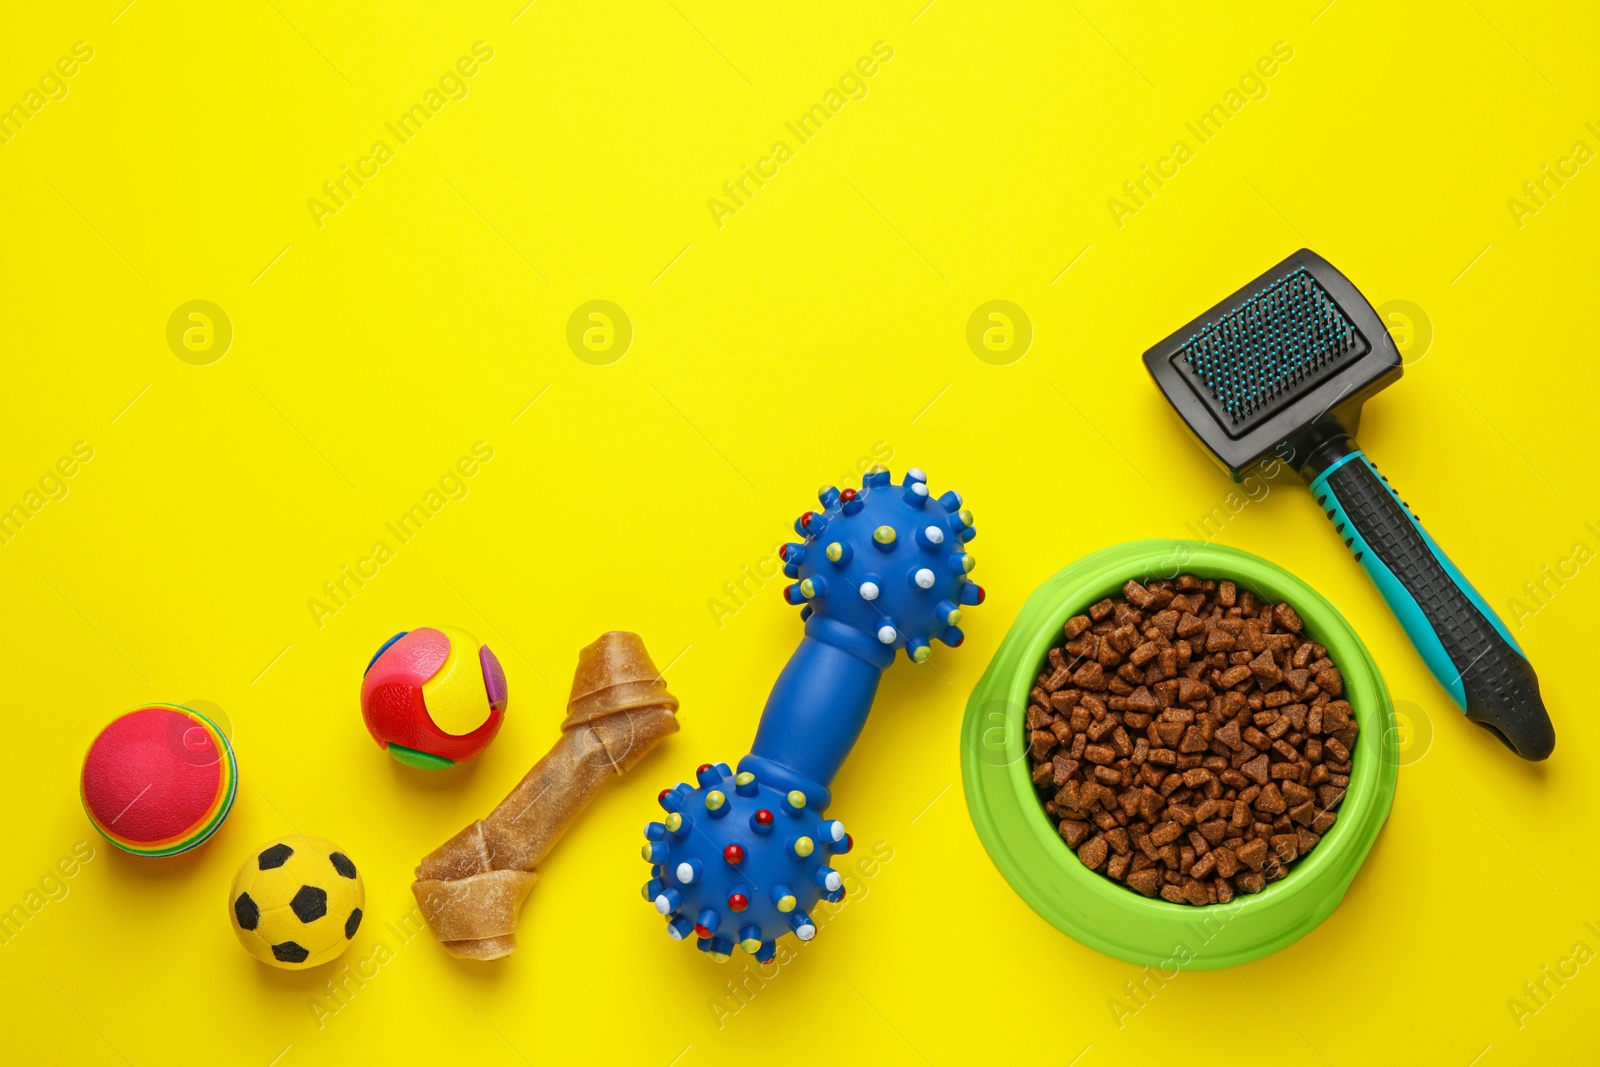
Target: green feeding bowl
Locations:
point(1106, 915)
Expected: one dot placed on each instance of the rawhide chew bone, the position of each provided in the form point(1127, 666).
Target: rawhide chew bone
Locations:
point(743, 858)
point(471, 887)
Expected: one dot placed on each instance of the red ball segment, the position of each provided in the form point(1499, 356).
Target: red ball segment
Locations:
point(733, 854)
point(738, 902)
point(764, 817)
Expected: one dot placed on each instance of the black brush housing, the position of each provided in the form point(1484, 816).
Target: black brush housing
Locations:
point(1290, 357)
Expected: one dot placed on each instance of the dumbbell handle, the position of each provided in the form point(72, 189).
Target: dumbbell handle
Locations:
point(817, 709)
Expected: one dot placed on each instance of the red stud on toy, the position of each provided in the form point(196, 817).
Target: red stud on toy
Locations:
point(733, 854)
point(738, 902)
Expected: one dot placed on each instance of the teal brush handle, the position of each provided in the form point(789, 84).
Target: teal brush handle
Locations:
point(1461, 639)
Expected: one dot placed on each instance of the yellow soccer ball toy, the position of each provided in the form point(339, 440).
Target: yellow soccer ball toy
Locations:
point(296, 902)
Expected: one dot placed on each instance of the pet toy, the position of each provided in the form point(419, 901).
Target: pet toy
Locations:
point(743, 858)
point(159, 780)
point(433, 697)
point(296, 902)
point(1287, 362)
point(471, 888)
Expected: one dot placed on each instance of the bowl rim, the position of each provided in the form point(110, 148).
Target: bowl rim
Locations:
point(1022, 839)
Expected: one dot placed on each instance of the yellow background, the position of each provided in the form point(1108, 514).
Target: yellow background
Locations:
point(827, 316)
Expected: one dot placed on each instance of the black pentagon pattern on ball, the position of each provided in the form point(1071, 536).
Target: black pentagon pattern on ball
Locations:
point(342, 864)
point(351, 924)
point(246, 911)
point(310, 903)
point(276, 856)
point(289, 952)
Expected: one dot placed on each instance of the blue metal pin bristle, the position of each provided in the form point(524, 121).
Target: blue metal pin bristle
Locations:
point(1270, 343)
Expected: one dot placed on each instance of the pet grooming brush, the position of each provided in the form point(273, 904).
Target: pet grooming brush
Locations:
point(1289, 360)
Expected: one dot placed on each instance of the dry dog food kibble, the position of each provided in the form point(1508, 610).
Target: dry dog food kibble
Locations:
point(1190, 740)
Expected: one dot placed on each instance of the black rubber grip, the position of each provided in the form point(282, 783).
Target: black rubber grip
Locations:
point(1502, 691)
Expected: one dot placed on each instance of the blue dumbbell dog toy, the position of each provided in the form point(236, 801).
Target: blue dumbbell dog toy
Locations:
point(743, 858)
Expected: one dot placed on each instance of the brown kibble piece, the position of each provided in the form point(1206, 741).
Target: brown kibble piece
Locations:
point(1136, 594)
point(1256, 770)
point(1147, 881)
point(1099, 754)
point(1108, 776)
point(1335, 716)
point(1266, 668)
point(1090, 676)
point(1270, 800)
point(1229, 735)
point(1234, 675)
point(1286, 846)
point(1041, 743)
